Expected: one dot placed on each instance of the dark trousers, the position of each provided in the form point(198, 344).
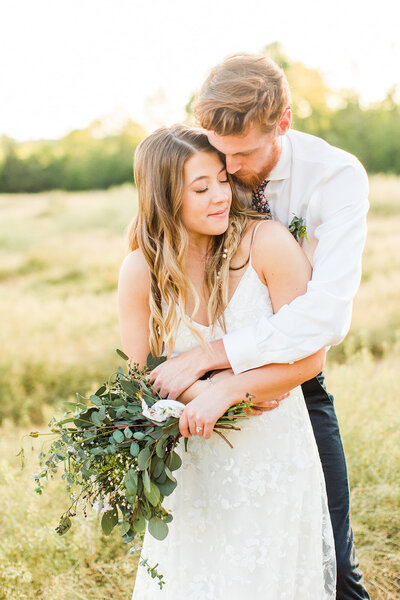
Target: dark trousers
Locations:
point(326, 430)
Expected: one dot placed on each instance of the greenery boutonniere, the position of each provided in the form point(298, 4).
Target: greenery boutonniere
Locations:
point(298, 229)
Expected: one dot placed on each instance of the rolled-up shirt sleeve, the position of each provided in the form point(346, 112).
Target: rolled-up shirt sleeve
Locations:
point(322, 316)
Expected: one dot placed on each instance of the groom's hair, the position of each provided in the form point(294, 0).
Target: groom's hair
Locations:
point(242, 91)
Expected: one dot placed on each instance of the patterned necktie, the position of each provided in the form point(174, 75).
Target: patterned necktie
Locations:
point(260, 202)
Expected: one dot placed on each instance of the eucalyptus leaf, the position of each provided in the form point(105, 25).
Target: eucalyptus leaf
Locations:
point(118, 436)
point(125, 527)
point(139, 435)
point(158, 528)
point(131, 482)
point(157, 466)
point(139, 523)
point(109, 520)
point(94, 417)
point(100, 391)
point(153, 361)
point(128, 433)
point(122, 354)
point(169, 474)
point(130, 387)
point(167, 487)
point(134, 449)
point(160, 447)
point(174, 461)
point(153, 495)
point(128, 537)
point(143, 458)
point(146, 482)
point(96, 400)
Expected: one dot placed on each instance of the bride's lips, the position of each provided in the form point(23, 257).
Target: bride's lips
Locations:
point(221, 213)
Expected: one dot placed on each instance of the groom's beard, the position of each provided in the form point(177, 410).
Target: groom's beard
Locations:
point(250, 180)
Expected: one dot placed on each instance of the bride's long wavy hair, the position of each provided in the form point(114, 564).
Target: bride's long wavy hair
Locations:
point(159, 233)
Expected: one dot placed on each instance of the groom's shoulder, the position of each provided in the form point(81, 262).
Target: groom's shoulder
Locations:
point(314, 152)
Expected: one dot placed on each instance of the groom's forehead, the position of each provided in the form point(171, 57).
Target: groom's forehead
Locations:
point(238, 144)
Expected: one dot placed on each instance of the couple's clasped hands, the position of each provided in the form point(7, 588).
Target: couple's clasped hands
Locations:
point(178, 378)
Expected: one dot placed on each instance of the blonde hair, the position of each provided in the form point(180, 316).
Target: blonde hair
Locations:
point(240, 92)
point(159, 233)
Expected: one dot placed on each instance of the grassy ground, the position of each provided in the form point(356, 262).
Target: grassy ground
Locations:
point(59, 258)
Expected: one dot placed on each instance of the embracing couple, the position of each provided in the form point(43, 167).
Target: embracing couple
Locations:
point(218, 283)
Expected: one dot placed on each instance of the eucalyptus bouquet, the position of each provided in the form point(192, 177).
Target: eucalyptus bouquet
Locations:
point(117, 450)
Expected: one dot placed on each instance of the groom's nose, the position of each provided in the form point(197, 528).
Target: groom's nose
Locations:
point(232, 164)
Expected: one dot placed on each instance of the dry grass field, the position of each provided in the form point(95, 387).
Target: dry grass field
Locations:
point(59, 261)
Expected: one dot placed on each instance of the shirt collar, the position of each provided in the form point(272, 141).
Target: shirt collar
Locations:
point(283, 166)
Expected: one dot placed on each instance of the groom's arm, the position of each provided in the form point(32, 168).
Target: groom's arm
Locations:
point(322, 316)
point(319, 318)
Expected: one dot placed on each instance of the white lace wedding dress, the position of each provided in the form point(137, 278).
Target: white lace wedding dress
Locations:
point(252, 521)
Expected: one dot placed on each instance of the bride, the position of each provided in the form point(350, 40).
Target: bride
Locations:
point(251, 521)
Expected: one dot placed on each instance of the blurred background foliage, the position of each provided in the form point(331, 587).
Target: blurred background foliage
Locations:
point(98, 158)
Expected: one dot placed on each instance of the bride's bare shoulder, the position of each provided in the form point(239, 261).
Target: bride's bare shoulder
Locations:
point(134, 273)
point(274, 246)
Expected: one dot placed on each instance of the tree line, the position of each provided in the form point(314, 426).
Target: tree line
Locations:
point(90, 159)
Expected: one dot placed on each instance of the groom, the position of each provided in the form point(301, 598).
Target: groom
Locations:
point(245, 106)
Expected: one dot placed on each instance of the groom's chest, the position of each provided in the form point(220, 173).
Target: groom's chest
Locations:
point(289, 198)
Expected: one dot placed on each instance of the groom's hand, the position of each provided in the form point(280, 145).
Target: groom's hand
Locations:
point(175, 375)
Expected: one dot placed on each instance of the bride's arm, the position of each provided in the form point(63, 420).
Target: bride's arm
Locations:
point(133, 307)
point(283, 267)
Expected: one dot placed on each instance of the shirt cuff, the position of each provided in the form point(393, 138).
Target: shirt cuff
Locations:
point(242, 350)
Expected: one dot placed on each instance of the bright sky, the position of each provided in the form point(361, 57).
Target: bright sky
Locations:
point(64, 63)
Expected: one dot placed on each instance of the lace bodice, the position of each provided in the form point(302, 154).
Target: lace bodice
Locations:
point(249, 301)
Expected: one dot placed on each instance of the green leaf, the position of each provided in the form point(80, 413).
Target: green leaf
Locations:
point(96, 400)
point(157, 466)
point(134, 449)
point(174, 461)
point(146, 482)
point(127, 433)
point(131, 482)
point(158, 528)
point(139, 523)
point(153, 496)
point(169, 474)
point(94, 417)
point(167, 487)
point(128, 537)
point(168, 518)
point(100, 391)
point(160, 447)
point(144, 458)
point(125, 527)
point(122, 354)
point(130, 387)
point(153, 361)
point(102, 413)
point(118, 436)
point(109, 520)
point(139, 435)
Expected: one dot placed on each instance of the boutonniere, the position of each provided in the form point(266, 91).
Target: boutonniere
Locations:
point(298, 229)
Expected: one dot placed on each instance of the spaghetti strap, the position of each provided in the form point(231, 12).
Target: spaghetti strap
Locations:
point(252, 239)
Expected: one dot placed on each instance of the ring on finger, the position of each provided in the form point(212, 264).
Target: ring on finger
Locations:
point(199, 429)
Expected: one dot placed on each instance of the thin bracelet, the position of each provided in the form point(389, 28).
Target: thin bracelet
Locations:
point(209, 381)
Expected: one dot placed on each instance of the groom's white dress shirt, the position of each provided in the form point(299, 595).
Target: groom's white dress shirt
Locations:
point(328, 188)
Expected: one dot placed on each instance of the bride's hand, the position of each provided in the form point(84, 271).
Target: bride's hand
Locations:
point(201, 414)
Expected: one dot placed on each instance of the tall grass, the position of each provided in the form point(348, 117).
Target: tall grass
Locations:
point(59, 260)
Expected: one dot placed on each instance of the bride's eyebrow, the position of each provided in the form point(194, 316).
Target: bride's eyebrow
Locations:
point(206, 176)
